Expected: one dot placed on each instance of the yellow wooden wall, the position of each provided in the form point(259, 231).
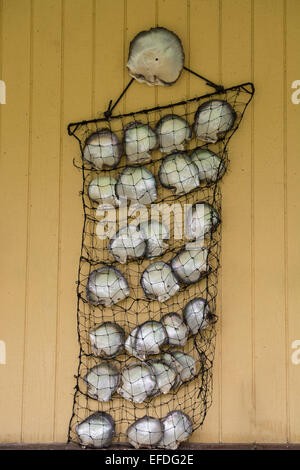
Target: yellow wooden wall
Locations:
point(62, 60)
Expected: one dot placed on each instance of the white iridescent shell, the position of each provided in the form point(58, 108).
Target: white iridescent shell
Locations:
point(156, 57)
point(102, 190)
point(169, 359)
point(177, 330)
point(188, 366)
point(106, 286)
point(130, 343)
point(159, 282)
point(179, 173)
point(97, 430)
point(213, 119)
point(177, 427)
point(139, 141)
point(102, 148)
point(190, 266)
point(155, 234)
point(201, 219)
point(210, 166)
point(137, 382)
point(150, 337)
point(102, 381)
point(145, 432)
point(196, 315)
point(165, 376)
point(173, 133)
point(127, 243)
point(137, 184)
point(107, 340)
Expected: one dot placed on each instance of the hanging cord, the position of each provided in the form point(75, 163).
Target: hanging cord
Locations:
point(108, 112)
point(218, 88)
point(110, 108)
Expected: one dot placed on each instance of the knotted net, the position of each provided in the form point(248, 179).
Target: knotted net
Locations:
point(160, 281)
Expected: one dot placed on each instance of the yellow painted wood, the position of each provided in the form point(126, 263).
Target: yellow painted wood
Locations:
point(14, 144)
point(205, 59)
point(292, 216)
point(269, 274)
point(174, 16)
point(109, 53)
point(62, 61)
point(236, 377)
point(43, 224)
point(77, 63)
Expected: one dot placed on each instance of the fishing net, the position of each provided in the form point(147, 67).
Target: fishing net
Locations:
point(151, 284)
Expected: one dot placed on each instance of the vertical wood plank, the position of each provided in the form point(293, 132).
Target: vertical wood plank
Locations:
point(205, 59)
point(172, 14)
point(269, 223)
point(237, 399)
point(140, 95)
point(96, 35)
point(293, 215)
point(77, 92)
point(41, 302)
point(109, 54)
point(15, 71)
point(109, 62)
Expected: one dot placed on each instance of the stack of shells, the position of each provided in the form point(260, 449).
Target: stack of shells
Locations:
point(181, 173)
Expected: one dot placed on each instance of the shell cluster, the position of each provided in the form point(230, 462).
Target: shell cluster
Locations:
point(179, 171)
point(147, 377)
point(157, 364)
point(98, 431)
point(156, 57)
point(147, 240)
point(160, 281)
point(166, 433)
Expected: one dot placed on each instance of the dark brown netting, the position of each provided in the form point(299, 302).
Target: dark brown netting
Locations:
point(123, 262)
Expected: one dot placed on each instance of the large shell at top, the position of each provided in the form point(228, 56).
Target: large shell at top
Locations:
point(213, 119)
point(97, 430)
point(102, 148)
point(156, 57)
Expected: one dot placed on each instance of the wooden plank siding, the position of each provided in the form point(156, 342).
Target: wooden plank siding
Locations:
point(62, 61)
